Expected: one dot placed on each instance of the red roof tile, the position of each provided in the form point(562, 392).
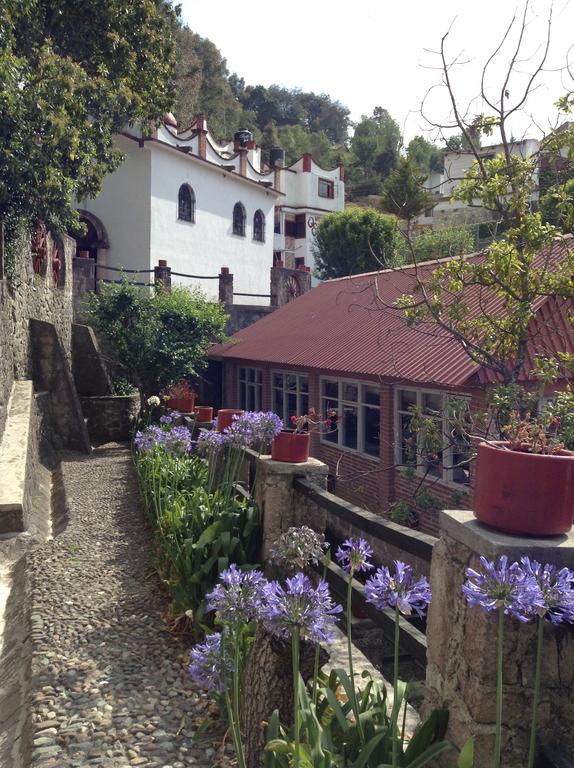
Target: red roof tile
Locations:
point(350, 325)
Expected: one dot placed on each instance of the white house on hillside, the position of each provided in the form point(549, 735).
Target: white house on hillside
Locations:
point(181, 197)
point(448, 212)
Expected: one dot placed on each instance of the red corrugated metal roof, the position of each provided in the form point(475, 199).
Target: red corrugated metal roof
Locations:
point(350, 325)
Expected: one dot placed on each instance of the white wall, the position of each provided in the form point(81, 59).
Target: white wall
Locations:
point(203, 247)
point(124, 208)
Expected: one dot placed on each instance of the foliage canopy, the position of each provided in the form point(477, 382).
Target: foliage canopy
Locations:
point(160, 337)
point(353, 241)
point(70, 77)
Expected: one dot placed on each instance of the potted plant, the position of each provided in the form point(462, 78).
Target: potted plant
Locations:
point(225, 417)
point(181, 397)
point(525, 483)
point(293, 445)
point(203, 413)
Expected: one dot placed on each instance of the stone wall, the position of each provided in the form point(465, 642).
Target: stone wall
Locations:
point(24, 294)
point(462, 643)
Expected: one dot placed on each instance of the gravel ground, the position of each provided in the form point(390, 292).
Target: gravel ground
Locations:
point(109, 684)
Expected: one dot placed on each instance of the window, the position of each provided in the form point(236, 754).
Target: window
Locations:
point(186, 204)
point(326, 188)
point(250, 389)
point(450, 462)
point(259, 227)
point(358, 407)
point(239, 219)
point(296, 227)
point(290, 395)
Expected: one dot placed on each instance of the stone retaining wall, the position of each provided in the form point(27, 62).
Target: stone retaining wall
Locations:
point(25, 295)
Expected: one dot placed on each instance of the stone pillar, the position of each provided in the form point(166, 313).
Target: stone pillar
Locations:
point(225, 286)
point(274, 497)
point(243, 162)
point(461, 668)
point(83, 282)
point(162, 274)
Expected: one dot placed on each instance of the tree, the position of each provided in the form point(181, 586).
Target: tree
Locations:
point(69, 79)
point(404, 194)
point(557, 206)
point(353, 241)
point(437, 244)
point(425, 155)
point(518, 270)
point(159, 338)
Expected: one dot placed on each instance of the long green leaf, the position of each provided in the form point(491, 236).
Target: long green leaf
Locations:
point(466, 757)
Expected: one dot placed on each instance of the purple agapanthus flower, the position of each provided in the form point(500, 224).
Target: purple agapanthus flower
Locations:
point(209, 666)
point(398, 590)
point(166, 418)
point(178, 439)
point(557, 588)
point(500, 585)
point(238, 595)
point(299, 605)
point(354, 555)
point(209, 441)
point(172, 439)
point(253, 429)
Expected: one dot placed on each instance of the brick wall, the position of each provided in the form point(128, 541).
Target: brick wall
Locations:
point(368, 482)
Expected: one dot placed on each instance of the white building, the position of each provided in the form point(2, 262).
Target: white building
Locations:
point(448, 212)
point(200, 205)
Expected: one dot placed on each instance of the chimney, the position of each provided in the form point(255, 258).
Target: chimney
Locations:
point(341, 172)
point(277, 162)
point(201, 128)
point(307, 162)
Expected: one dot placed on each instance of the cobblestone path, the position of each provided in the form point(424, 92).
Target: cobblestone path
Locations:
point(109, 684)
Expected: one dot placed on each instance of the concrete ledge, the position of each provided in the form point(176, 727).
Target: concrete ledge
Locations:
point(14, 458)
point(462, 526)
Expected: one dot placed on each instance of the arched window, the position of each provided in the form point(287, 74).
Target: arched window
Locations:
point(186, 203)
point(259, 227)
point(239, 219)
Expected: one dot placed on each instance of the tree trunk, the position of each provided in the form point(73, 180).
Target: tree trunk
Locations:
point(269, 686)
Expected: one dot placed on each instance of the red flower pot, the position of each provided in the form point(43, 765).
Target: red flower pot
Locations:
point(225, 417)
point(183, 404)
point(203, 413)
point(524, 493)
point(292, 447)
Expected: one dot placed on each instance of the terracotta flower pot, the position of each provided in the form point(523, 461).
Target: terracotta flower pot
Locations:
point(225, 417)
point(292, 447)
point(524, 493)
point(203, 413)
point(183, 404)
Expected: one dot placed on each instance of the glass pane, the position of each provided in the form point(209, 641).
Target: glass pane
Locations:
point(278, 380)
point(432, 403)
point(350, 426)
point(407, 440)
point(330, 409)
point(242, 373)
point(278, 402)
point(292, 406)
point(291, 382)
point(242, 395)
point(258, 396)
point(250, 398)
point(372, 423)
point(258, 375)
point(433, 466)
point(251, 374)
point(350, 392)
point(407, 398)
point(331, 389)
point(303, 384)
point(371, 395)
point(303, 404)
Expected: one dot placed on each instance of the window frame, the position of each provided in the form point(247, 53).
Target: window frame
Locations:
point(285, 392)
point(239, 231)
point(255, 384)
point(447, 470)
point(192, 200)
point(259, 231)
point(360, 404)
point(330, 185)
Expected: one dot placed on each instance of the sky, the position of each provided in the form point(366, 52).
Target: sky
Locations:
point(372, 53)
